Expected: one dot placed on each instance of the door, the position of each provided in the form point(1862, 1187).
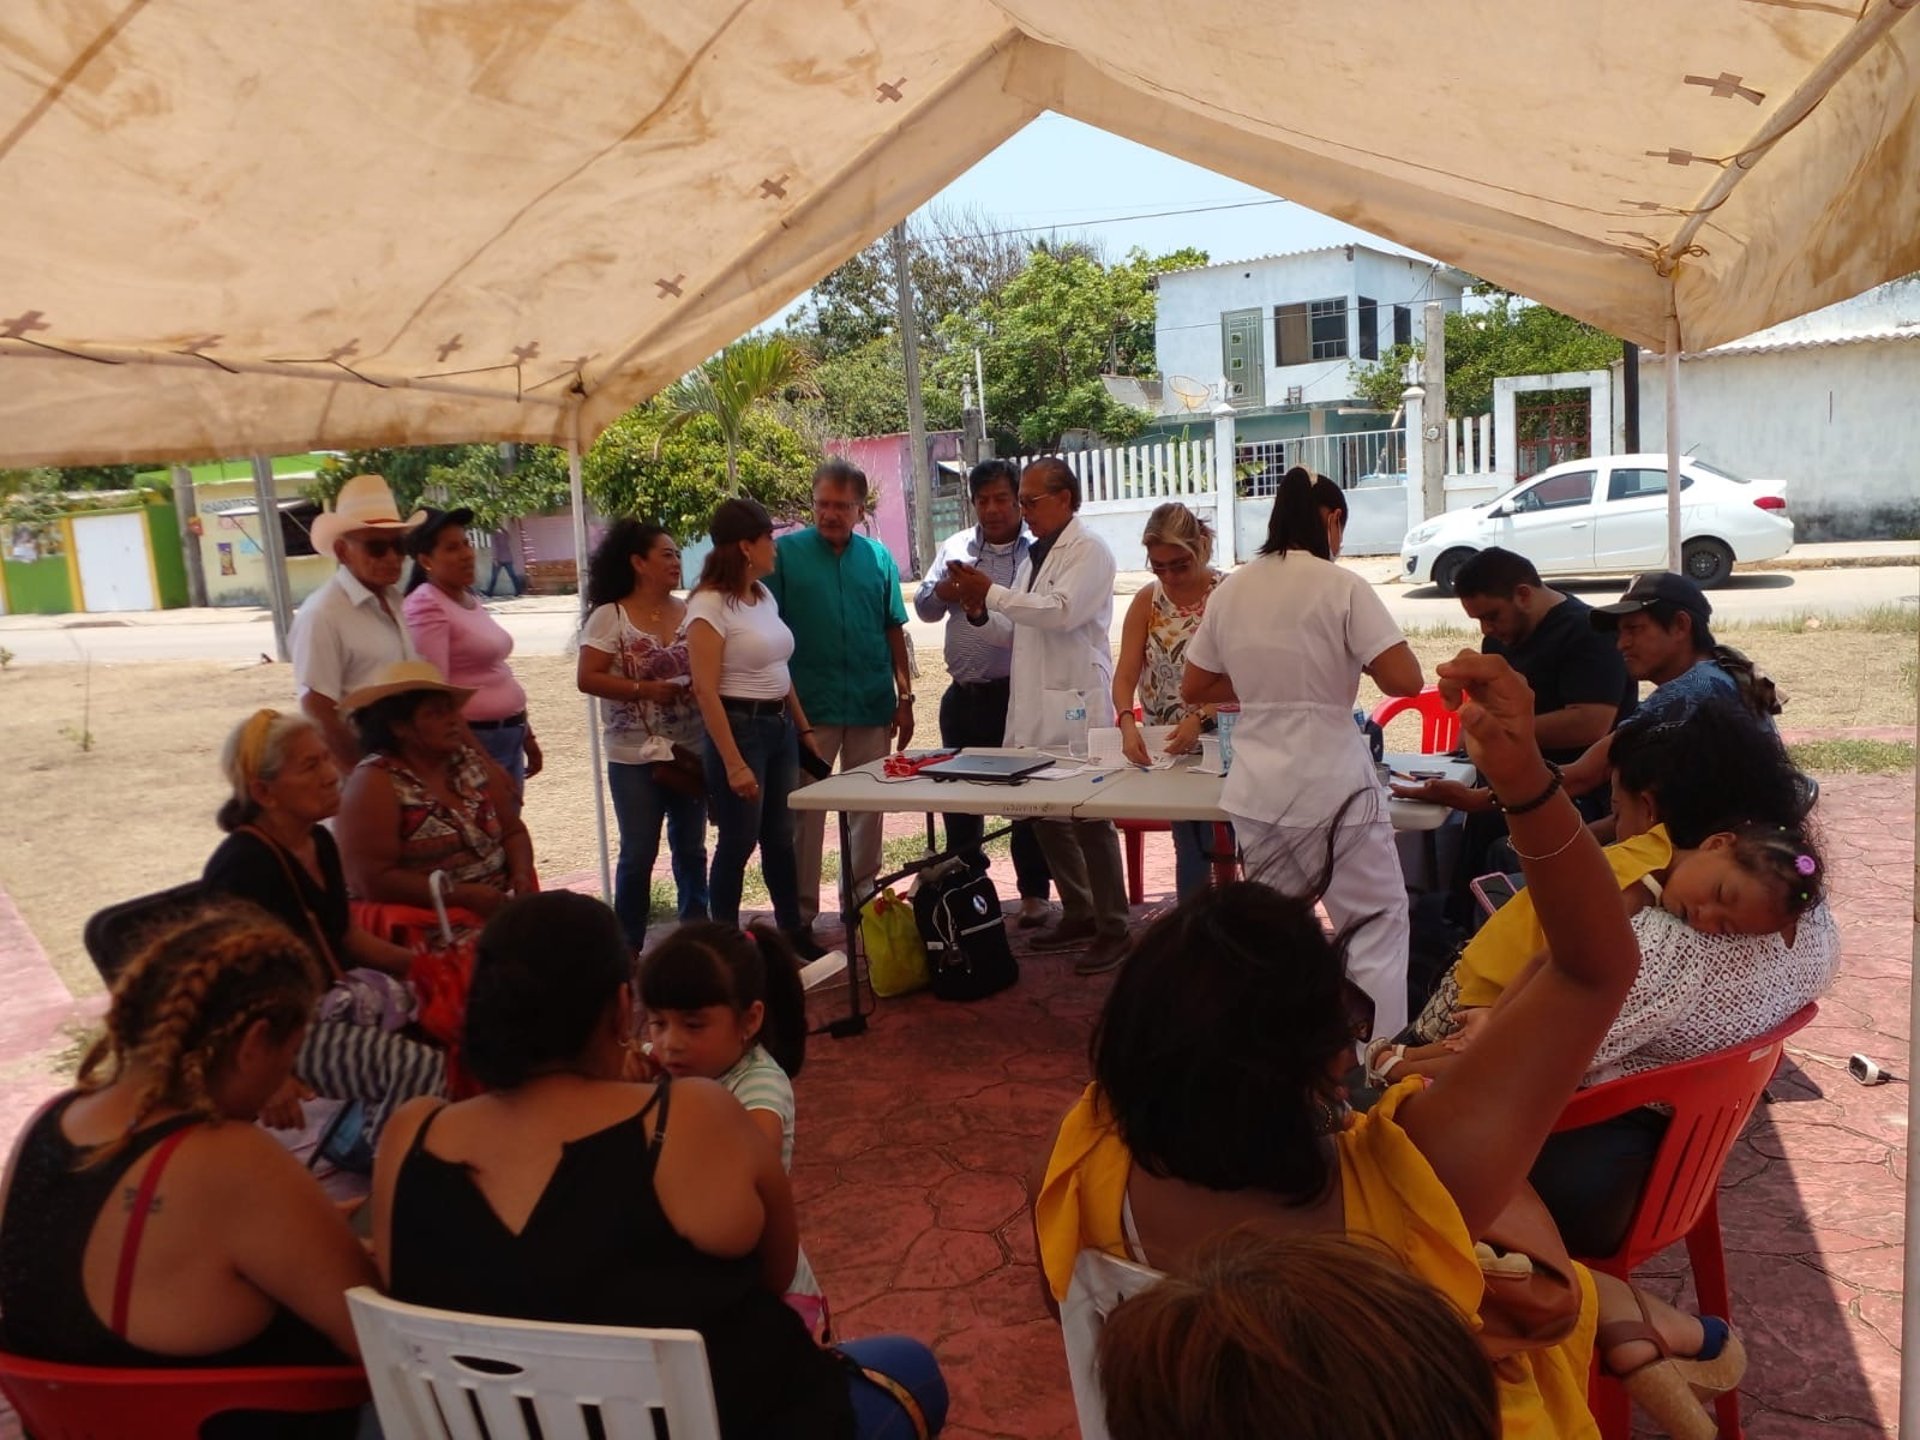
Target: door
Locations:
point(116, 572)
point(1551, 523)
point(1243, 357)
point(1630, 525)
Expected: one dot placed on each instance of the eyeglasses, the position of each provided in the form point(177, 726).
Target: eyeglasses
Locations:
point(379, 549)
point(1027, 502)
point(1171, 567)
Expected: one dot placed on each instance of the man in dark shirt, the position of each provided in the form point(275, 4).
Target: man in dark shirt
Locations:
point(1581, 690)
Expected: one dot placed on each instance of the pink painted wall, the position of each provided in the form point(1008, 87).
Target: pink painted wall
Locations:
point(885, 460)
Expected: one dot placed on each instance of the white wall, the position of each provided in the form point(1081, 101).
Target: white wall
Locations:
point(1838, 423)
point(1376, 521)
point(1119, 523)
point(1191, 302)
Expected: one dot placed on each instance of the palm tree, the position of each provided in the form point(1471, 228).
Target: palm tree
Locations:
point(752, 369)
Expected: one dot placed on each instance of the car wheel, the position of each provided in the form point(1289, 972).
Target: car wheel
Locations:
point(1706, 562)
point(1447, 568)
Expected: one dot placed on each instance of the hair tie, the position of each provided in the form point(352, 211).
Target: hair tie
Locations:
point(253, 743)
point(1805, 864)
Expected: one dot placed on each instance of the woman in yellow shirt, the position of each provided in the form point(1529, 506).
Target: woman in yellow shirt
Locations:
point(1217, 1100)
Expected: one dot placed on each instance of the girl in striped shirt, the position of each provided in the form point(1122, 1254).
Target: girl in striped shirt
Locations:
point(727, 1005)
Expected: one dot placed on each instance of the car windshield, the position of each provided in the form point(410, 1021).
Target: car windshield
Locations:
point(1699, 464)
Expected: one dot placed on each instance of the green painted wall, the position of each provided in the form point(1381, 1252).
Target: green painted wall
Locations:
point(38, 587)
point(169, 565)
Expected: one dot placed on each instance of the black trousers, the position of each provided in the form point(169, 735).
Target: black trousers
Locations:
point(977, 715)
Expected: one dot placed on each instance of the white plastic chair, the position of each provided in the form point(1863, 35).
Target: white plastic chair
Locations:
point(439, 1375)
point(1100, 1282)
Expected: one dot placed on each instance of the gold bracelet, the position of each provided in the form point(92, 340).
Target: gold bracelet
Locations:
point(1578, 826)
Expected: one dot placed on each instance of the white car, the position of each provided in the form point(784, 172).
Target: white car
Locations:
point(1608, 516)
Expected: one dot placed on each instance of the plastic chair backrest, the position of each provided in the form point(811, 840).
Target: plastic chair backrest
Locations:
point(1711, 1098)
point(1439, 726)
point(80, 1402)
point(439, 1375)
point(1100, 1282)
point(110, 934)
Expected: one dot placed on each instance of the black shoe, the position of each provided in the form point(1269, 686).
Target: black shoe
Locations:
point(1103, 955)
point(804, 944)
point(1064, 935)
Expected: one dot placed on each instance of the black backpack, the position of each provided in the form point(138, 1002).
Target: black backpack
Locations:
point(958, 913)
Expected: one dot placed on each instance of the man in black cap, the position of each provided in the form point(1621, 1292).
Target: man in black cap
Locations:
point(1660, 626)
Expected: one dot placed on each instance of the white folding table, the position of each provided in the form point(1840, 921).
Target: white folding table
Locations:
point(1175, 793)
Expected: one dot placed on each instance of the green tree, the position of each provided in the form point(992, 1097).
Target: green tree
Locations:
point(479, 478)
point(729, 387)
point(1509, 336)
point(864, 392)
point(1050, 334)
point(408, 471)
point(654, 464)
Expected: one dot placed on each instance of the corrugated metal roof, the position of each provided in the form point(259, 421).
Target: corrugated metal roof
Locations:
point(1464, 278)
point(1761, 345)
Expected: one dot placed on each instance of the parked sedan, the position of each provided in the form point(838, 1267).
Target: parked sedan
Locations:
point(1609, 516)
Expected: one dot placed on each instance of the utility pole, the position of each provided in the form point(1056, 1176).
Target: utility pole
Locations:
point(972, 433)
point(920, 491)
point(1630, 394)
point(186, 508)
point(1433, 430)
point(273, 552)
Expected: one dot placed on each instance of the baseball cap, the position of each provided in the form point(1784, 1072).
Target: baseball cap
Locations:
point(1650, 589)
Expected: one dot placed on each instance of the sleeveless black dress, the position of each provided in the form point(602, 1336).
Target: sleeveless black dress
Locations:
point(598, 1250)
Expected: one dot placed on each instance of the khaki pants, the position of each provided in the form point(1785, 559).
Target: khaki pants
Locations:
point(852, 746)
point(1084, 857)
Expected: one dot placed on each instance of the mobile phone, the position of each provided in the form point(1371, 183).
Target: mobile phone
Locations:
point(816, 767)
point(344, 1144)
point(1493, 891)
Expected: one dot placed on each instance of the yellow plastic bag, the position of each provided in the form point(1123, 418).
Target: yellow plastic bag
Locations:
point(896, 956)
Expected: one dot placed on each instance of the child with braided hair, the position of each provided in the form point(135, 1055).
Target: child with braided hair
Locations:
point(138, 1227)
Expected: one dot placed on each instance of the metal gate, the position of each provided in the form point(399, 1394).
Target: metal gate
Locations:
point(1550, 426)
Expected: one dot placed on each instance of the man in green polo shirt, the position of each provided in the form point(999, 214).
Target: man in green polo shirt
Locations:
point(839, 593)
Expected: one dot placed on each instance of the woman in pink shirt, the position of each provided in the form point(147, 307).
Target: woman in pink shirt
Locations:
point(452, 628)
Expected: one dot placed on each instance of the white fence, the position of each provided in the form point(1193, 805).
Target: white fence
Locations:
point(1347, 459)
point(1126, 477)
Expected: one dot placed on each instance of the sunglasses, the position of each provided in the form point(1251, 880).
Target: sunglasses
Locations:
point(378, 549)
point(1170, 567)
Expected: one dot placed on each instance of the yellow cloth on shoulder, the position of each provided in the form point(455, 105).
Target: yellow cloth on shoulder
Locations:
point(1391, 1197)
point(1512, 935)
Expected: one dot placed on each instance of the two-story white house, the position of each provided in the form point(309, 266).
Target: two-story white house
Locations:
point(1283, 330)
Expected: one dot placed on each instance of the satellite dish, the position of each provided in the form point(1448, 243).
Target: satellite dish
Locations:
point(1192, 394)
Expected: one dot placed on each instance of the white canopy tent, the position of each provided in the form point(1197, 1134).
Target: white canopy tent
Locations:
point(266, 227)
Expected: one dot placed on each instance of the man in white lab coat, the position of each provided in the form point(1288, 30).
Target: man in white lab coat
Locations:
point(1058, 609)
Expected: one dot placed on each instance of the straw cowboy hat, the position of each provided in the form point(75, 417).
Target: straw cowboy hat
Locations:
point(399, 678)
point(364, 503)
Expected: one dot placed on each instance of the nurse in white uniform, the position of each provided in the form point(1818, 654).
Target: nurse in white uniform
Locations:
point(1288, 636)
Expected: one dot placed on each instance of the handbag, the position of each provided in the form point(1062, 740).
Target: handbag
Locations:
point(681, 770)
point(1532, 1299)
point(896, 956)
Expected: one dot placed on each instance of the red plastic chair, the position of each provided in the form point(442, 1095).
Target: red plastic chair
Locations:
point(84, 1402)
point(1439, 726)
point(1133, 833)
point(1712, 1099)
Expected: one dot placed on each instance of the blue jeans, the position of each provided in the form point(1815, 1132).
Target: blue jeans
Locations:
point(507, 744)
point(639, 804)
point(1193, 855)
point(768, 744)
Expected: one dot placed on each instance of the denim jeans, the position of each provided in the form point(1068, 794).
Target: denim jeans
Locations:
point(639, 804)
point(1192, 856)
point(507, 744)
point(768, 744)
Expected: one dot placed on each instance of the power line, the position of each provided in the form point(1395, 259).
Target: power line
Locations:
point(1119, 219)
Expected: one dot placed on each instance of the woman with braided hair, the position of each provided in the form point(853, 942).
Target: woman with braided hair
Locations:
point(139, 1226)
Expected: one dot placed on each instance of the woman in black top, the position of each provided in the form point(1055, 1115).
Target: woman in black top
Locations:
point(278, 855)
point(567, 1194)
point(226, 1252)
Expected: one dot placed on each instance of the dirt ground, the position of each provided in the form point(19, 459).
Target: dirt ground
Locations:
point(81, 828)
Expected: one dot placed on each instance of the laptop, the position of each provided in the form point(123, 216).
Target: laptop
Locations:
point(988, 769)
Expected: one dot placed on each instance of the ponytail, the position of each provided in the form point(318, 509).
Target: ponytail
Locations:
point(784, 1031)
point(1296, 523)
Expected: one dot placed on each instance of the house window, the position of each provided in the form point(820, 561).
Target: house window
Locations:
point(1402, 325)
point(1369, 329)
point(1328, 321)
point(1291, 345)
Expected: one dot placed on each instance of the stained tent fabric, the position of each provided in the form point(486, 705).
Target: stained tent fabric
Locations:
point(238, 227)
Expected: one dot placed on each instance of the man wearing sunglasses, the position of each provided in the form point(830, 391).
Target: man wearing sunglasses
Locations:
point(353, 626)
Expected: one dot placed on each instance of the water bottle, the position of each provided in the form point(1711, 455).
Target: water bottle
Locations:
point(1077, 730)
point(1224, 719)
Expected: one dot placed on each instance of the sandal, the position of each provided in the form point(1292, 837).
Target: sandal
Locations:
point(1671, 1388)
point(1383, 1057)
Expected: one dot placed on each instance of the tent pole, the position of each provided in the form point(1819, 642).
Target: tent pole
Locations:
point(578, 498)
point(1673, 433)
point(1910, 1297)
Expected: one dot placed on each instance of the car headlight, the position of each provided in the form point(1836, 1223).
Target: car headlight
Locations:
point(1421, 535)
